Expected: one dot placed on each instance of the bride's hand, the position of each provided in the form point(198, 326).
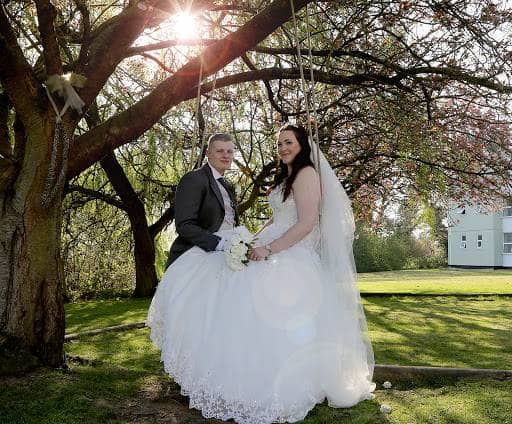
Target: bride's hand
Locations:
point(258, 254)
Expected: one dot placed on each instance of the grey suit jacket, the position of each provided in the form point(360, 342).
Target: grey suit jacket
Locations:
point(198, 212)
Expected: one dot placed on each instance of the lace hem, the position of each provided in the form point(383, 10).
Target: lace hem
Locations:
point(208, 397)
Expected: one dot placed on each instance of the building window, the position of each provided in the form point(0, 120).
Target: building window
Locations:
point(479, 241)
point(507, 242)
point(463, 241)
point(508, 210)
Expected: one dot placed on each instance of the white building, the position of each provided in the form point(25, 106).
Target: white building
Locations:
point(479, 239)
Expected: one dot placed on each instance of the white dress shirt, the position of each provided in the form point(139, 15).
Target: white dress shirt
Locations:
point(229, 213)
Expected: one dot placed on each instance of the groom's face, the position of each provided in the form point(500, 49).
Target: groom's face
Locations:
point(220, 155)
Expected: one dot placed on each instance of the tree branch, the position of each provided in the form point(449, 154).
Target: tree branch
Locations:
point(459, 75)
point(453, 73)
point(85, 26)
point(134, 121)
point(109, 42)
point(158, 62)
point(122, 185)
point(166, 218)
point(46, 16)
point(132, 51)
point(258, 182)
point(16, 76)
point(439, 165)
point(94, 194)
point(294, 73)
point(270, 93)
point(235, 6)
point(107, 48)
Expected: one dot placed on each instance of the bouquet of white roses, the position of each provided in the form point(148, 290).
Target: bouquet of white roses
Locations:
point(237, 248)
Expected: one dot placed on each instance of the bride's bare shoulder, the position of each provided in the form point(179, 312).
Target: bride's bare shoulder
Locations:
point(307, 176)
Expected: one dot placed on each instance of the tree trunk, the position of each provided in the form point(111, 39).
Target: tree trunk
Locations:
point(144, 252)
point(144, 249)
point(31, 302)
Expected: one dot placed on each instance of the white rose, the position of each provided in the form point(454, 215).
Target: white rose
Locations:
point(234, 263)
point(235, 240)
point(387, 385)
point(239, 249)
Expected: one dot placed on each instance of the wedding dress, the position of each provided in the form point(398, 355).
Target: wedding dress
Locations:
point(267, 343)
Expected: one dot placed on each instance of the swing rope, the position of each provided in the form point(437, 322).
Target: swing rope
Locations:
point(309, 90)
point(197, 128)
point(199, 157)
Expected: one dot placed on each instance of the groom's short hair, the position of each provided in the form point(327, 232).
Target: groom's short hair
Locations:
point(221, 137)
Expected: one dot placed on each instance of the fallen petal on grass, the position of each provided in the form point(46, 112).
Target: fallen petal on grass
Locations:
point(385, 408)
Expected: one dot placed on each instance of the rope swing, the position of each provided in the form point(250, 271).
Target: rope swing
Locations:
point(308, 89)
point(198, 159)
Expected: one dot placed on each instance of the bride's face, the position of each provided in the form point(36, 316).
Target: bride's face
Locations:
point(287, 146)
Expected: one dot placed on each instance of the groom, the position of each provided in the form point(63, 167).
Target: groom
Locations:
point(205, 203)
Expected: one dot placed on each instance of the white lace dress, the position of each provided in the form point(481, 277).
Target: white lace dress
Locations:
point(264, 344)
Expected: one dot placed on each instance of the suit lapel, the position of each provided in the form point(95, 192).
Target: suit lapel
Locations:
point(214, 186)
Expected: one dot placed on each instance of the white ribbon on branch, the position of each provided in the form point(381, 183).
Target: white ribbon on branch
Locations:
point(63, 85)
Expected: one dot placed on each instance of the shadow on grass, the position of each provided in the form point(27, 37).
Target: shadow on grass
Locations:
point(166, 400)
point(121, 365)
point(169, 405)
point(441, 331)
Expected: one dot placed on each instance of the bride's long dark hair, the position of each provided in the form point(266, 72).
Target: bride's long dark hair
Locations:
point(300, 161)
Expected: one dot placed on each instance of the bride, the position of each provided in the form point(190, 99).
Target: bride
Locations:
point(267, 343)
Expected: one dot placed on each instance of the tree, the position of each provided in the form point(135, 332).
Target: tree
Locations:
point(31, 306)
point(366, 58)
point(143, 234)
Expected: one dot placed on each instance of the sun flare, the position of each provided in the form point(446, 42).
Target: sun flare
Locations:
point(185, 25)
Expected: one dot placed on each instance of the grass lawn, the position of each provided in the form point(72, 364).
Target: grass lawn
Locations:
point(82, 316)
point(441, 331)
point(117, 377)
point(437, 281)
point(89, 315)
point(436, 331)
point(122, 381)
point(464, 402)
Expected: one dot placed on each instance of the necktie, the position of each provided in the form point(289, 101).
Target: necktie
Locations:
point(223, 182)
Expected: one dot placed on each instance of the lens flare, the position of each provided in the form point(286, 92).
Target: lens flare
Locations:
point(185, 25)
